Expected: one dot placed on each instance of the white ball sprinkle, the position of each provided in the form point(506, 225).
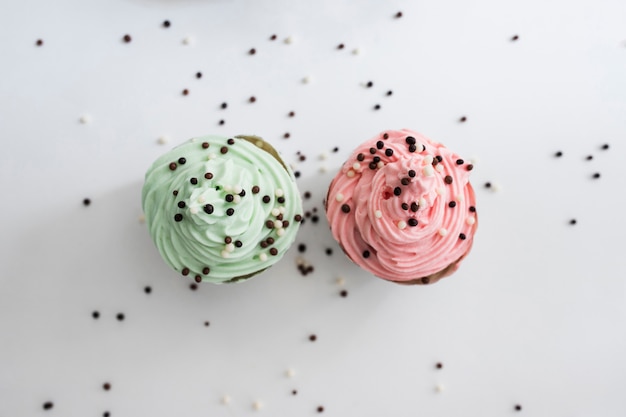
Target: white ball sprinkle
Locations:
point(443, 231)
point(263, 257)
point(225, 254)
point(401, 224)
point(459, 197)
point(378, 214)
point(422, 202)
point(141, 218)
point(306, 80)
point(380, 164)
point(237, 189)
point(290, 373)
point(275, 211)
point(440, 190)
point(189, 40)
point(162, 140)
point(439, 388)
point(323, 169)
point(470, 220)
point(289, 40)
point(341, 281)
point(282, 209)
point(278, 224)
point(236, 199)
point(228, 188)
point(193, 210)
point(257, 405)
point(428, 160)
point(439, 168)
point(259, 143)
point(280, 232)
point(201, 199)
point(323, 156)
point(350, 173)
point(211, 156)
point(356, 166)
point(229, 247)
point(339, 197)
point(279, 192)
point(226, 399)
point(420, 147)
point(356, 51)
point(495, 187)
point(85, 118)
point(428, 171)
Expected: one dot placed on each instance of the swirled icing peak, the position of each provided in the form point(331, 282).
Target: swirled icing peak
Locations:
point(221, 209)
point(402, 207)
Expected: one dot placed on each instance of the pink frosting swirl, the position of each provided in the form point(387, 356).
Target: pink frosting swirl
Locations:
point(402, 207)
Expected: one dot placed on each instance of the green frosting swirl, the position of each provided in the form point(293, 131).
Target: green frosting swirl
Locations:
point(213, 206)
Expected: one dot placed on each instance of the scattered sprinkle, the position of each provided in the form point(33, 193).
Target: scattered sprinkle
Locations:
point(518, 407)
point(596, 175)
point(225, 399)
point(312, 338)
point(289, 40)
point(257, 405)
point(439, 388)
point(86, 202)
point(127, 38)
point(189, 40)
point(120, 316)
point(85, 119)
point(573, 222)
point(39, 42)
point(605, 147)
point(48, 405)
point(290, 373)
point(398, 15)
point(252, 51)
point(463, 119)
point(514, 38)
point(558, 154)
point(166, 24)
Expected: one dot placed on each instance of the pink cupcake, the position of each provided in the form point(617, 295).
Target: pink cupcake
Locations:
point(402, 208)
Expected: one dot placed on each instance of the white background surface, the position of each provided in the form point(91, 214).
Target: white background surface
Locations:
point(536, 316)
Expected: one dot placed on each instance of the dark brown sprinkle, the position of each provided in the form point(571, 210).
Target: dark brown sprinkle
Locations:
point(302, 158)
point(301, 248)
point(462, 236)
point(596, 175)
point(439, 158)
point(286, 135)
point(197, 278)
point(273, 38)
point(412, 222)
point(389, 92)
point(312, 338)
point(230, 211)
point(285, 224)
point(340, 46)
point(206, 270)
point(329, 251)
point(95, 315)
point(297, 218)
point(514, 38)
point(264, 244)
point(147, 289)
point(198, 75)
point(224, 105)
point(405, 206)
point(414, 207)
point(397, 191)
point(270, 240)
point(273, 251)
point(166, 23)
point(185, 271)
point(372, 165)
point(315, 219)
point(385, 135)
point(106, 414)
point(605, 147)
point(572, 222)
point(255, 189)
point(307, 194)
point(411, 173)
point(221, 122)
point(487, 185)
point(48, 405)
point(120, 316)
point(452, 204)
point(178, 217)
point(193, 180)
point(439, 365)
point(360, 157)
point(343, 293)
point(459, 162)
point(369, 84)
point(405, 181)
point(207, 324)
point(127, 38)
point(320, 409)
point(181, 204)
point(86, 202)
point(208, 176)
point(266, 199)
point(448, 179)
point(269, 224)
point(472, 209)
point(229, 198)
point(208, 208)
point(294, 392)
point(193, 286)
point(175, 192)
point(185, 92)
point(518, 407)
point(242, 193)
point(376, 159)
point(589, 157)
point(345, 208)
point(398, 15)
point(558, 154)
point(252, 99)
point(252, 51)
point(366, 254)
point(410, 140)
point(291, 114)
point(39, 42)
point(336, 149)
point(228, 240)
point(469, 167)
point(412, 148)
point(463, 119)
point(281, 200)
point(314, 209)
point(377, 107)
point(173, 166)
point(223, 149)
point(425, 280)
point(231, 141)
point(182, 161)
point(205, 145)
point(372, 151)
point(389, 152)
point(435, 162)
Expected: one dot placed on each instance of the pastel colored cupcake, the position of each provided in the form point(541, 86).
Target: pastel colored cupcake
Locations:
point(221, 209)
point(402, 208)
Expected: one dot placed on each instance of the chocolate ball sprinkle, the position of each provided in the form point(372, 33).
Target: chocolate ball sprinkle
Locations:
point(281, 200)
point(229, 198)
point(166, 23)
point(48, 405)
point(412, 222)
point(178, 217)
point(425, 280)
point(228, 240)
point(405, 181)
point(405, 206)
point(380, 144)
point(376, 159)
point(208, 175)
point(175, 192)
point(197, 278)
point(448, 179)
point(385, 135)
point(366, 254)
point(389, 152)
point(452, 204)
point(297, 218)
point(414, 207)
point(266, 199)
point(255, 189)
point(285, 223)
point(469, 167)
point(231, 141)
point(301, 248)
point(273, 251)
point(181, 204)
point(472, 209)
point(230, 211)
point(208, 208)
point(264, 244)
point(127, 38)
point(411, 173)
point(193, 286)
point(173, 166)
point(459, 162)
point(372, 151)
point(182, 161)
point(223, 149)
point(412, 148)
point(410, 140)
point(194, 181)
point(360, 157)
point(345, 208)
point(397, 191)
point(462, 236)
point(242, 193)
point(269, 224)
point(372, 165)
point(205, 145)
point(238, 243)
point(185, 271)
